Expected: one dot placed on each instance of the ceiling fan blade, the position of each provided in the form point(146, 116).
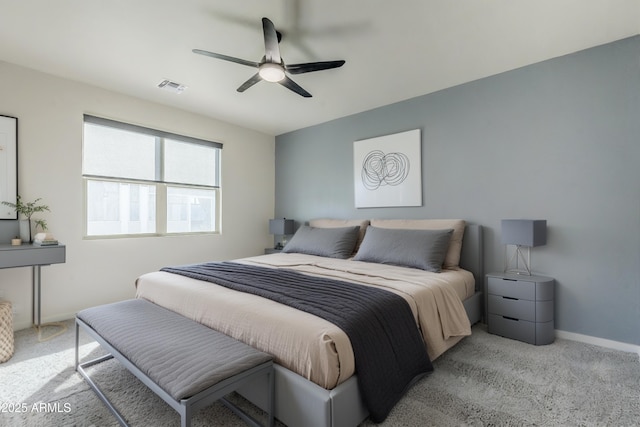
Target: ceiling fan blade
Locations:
point(226, 58)
point(313, 66)
point(290, 84)
point(253, 80)
point(271, 48)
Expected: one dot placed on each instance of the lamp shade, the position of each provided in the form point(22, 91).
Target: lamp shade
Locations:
point(524, 232)
point(281, 226)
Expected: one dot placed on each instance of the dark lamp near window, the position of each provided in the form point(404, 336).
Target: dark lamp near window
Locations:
point(524, 234)
point(281, 227)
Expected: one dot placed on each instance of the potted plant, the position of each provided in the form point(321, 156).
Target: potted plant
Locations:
point(42, 224)
point(27, 210)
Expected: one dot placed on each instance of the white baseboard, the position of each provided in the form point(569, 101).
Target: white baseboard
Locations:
point(614, 345)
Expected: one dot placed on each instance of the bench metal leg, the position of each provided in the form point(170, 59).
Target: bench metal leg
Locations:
point(271, 407)
point(80, 369)
point(272, 397)
point(185, 417)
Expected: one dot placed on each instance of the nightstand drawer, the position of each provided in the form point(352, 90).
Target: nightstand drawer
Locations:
point(512, 328)
point(537, 333)
point(512, 288)
point(511, 307)
point(540, 311)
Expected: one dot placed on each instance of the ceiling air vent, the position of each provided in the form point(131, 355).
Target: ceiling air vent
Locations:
point(172, 86)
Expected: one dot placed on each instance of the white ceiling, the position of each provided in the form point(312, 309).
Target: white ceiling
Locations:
point(394, 50)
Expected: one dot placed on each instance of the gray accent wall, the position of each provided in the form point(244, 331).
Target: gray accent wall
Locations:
point(558, 140)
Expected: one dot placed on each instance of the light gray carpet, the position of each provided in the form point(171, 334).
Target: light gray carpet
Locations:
point(485, 380)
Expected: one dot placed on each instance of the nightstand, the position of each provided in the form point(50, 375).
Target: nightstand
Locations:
point(521, 307)
point(268, 251)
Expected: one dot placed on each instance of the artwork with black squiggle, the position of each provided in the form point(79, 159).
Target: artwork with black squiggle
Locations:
point(380, 169)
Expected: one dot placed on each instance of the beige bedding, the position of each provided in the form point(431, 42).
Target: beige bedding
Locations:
point(304, 343)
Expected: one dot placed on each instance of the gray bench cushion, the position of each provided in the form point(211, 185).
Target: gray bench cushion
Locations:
point(182, 356)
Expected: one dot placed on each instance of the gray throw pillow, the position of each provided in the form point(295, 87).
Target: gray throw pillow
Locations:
point(423, 249)
point(328, 242)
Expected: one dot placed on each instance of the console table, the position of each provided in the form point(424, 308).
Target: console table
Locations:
point(32, 256)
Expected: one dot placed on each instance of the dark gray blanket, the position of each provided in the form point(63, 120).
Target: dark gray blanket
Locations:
point(389, 351)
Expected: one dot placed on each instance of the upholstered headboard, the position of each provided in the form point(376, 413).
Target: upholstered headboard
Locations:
point(471, 256)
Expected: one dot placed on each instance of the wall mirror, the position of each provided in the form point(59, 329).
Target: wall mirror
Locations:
point(8, 165)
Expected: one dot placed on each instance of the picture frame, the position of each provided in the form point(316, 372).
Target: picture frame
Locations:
point(8, 166)
point(388, 170)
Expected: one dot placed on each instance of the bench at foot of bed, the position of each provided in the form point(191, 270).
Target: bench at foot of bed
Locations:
point(187, 364)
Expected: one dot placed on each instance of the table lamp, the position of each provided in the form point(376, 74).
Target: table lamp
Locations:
point(281, 227)
point(523, 234)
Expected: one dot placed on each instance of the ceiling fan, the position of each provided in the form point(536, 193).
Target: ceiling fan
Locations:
point(272, 68)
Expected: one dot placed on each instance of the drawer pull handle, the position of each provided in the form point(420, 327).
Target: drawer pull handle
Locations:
point(510, 318)
point(511, 298)
point(511, 280)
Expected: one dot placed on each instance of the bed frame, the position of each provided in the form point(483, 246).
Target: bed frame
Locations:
point(300, 402)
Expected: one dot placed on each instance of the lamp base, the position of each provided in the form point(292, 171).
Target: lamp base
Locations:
point(512, 263)
point(281, 242)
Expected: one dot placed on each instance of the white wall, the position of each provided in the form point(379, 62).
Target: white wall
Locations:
point(49, 111)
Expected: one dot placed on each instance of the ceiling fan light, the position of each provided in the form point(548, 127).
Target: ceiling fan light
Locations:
point(271, 72)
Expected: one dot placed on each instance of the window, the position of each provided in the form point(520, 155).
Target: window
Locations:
point(141, 181)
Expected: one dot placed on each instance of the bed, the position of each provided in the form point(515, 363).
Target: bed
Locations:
point(316, 381)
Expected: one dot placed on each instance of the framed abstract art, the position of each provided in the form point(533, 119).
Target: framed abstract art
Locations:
point(387, 170)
